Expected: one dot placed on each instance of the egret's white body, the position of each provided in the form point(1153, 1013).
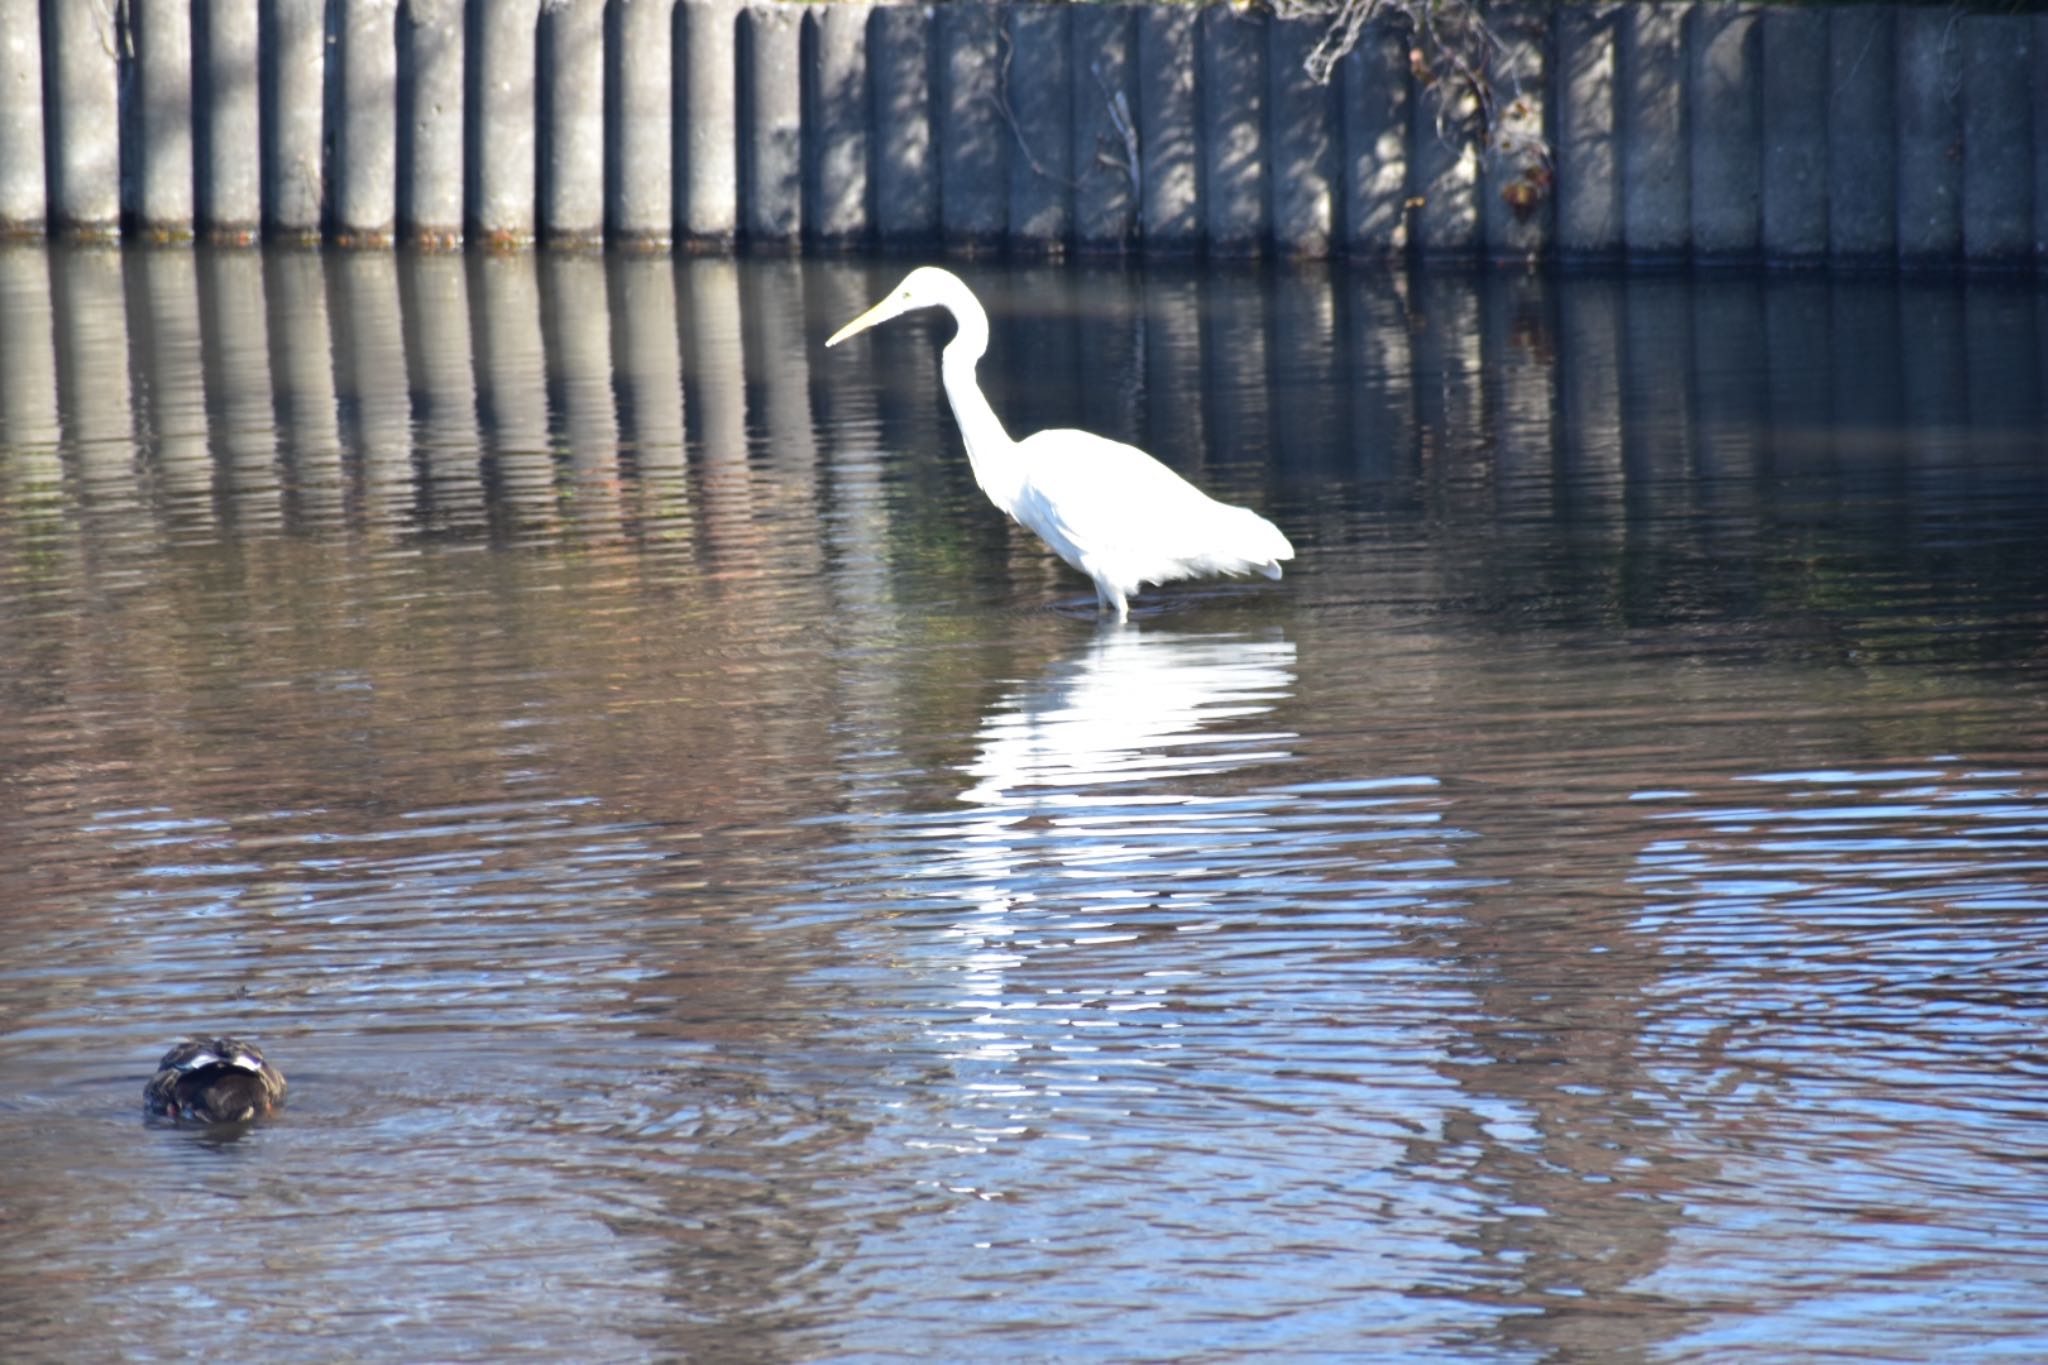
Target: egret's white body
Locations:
point(1107, 508)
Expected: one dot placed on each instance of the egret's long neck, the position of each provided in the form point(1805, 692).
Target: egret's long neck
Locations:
point(991, 452)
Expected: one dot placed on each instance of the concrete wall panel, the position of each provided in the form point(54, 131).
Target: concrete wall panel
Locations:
point(1303, 123)
point(640, 148)
point(905, 165)
point(1374, 96)
point(974, 144)
point(1655, 161)
point(1725, 129)
point(1168, 110)
point(839, 118)
point(1587, 105)
point(708, 180)
point(1233, 130)
point(1863, 178)
point(1929, 78)
point(1795, 149)
point(228, 195)
point(366, 160)
point(1108, 152)
point(1998, 150)
point(571, 120)
point(1035, 85)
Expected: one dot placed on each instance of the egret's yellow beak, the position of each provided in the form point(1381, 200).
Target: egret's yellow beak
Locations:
point(881, 312)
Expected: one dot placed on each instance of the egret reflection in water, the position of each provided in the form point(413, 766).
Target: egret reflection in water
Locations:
point(1088, 816)
point(1133, 707)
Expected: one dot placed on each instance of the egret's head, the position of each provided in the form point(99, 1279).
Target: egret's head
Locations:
point(925, 287)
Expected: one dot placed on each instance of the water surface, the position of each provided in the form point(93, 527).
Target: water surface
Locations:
point(718, 893)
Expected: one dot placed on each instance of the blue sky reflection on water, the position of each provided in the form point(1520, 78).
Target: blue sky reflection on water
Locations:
point(717, 892)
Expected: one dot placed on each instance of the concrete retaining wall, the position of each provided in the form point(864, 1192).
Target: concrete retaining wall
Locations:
point(1707, 131)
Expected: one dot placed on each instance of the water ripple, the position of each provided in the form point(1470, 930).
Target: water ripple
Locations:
point(717, 894)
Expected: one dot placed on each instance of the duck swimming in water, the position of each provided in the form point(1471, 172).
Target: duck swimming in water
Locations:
point(214, 1080)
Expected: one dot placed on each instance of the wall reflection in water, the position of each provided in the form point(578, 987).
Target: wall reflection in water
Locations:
point(553, 394)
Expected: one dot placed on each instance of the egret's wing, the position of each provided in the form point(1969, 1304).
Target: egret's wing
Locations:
point(1114, 505)
point(1093, 493)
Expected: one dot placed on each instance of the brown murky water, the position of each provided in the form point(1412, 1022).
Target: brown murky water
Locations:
point(717, 893)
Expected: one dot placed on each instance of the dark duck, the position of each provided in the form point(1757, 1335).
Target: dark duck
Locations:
point(214, 1080)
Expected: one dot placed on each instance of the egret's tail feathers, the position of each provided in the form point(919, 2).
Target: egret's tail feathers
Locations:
point(1244, 542)
point(1261, 544)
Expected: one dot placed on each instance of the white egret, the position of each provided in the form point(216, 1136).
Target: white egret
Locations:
point(1107, 508)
